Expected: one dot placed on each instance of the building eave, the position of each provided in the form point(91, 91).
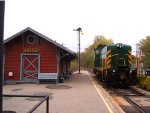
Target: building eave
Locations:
point(41, 35)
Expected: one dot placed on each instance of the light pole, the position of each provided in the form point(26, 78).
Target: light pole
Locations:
point(79, 30)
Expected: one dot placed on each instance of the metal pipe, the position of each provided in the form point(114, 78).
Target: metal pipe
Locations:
point(47, 104)
point(38, 104)
point(34, 96)
point(2, 8)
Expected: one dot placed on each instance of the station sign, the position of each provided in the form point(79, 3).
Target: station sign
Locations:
point(31, 50)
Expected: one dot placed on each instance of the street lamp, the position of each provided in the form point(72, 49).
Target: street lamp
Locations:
point(79, 30)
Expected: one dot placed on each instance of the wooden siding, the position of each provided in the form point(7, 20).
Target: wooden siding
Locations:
point(12, 59)
point(48, 57)
point(14, 49)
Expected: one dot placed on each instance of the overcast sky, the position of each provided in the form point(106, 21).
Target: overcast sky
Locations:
point(126, 21)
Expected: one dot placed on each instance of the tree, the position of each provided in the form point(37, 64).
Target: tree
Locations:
point(88, 55)
point(100, 39)
point(145, 47)
point(74, 65)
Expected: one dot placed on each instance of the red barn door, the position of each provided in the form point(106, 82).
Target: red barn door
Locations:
point(30, 67)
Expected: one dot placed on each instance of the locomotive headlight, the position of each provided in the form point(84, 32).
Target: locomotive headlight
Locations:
point(130, 71)
point(119, 45)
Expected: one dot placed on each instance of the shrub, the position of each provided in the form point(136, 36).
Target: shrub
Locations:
point(140, 80)
point(147, 83)
point(144, 82)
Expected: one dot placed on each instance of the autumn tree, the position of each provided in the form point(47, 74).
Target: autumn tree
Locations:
point(145, 47)
point(74, 65)
point(100, 39)
point(88, 56)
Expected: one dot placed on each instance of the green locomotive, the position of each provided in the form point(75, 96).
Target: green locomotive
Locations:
point(113, 63)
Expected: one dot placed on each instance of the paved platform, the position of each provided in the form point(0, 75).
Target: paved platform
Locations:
point(78, 94)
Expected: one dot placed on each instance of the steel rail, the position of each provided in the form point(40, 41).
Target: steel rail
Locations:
point(134, 104)
point(125, 96)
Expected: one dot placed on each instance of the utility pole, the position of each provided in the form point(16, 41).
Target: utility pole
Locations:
point(79, 30)
point(2, 8)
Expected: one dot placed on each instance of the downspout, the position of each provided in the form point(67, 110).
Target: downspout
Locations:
point(3, 71)
point(58, 59)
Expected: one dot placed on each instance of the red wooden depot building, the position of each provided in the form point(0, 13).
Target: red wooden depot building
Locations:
point(30, 56)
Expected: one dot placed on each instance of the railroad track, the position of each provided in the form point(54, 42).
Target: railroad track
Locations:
point(135, 105)
point(132, 97)
point(137, 100)
point(127, 94)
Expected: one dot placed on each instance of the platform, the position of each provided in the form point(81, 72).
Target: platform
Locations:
point(78, 94)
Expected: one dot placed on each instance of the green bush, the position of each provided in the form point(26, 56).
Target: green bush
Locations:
point(140, 80)
point(147, 83)
point(144, 82)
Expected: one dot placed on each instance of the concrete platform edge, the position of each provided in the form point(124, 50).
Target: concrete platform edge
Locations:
point(114, 106)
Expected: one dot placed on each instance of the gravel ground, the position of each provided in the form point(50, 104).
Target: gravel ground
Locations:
point(145, 92)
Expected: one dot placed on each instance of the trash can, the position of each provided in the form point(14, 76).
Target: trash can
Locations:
point(61, 79)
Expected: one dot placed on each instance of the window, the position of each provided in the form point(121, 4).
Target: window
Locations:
point(31, 39)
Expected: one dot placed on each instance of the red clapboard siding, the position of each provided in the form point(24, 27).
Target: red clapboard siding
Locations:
point(12, 58)
point(14, 49)
point(48, 58)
